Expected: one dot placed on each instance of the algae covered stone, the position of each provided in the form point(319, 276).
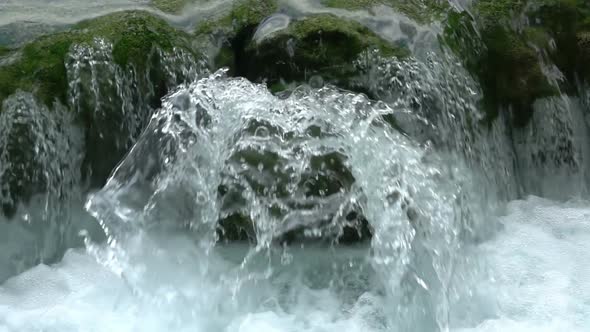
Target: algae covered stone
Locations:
point(504, 43)
point(423, 11)
point(109, 73)
point(321, 45)
point(242, 16)
point(170, 6)
point(41, 66)
point(225, 35)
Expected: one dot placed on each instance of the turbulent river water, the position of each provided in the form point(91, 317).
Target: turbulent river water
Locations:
point(461, 238)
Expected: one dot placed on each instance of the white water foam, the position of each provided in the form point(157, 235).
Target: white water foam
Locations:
point(537, 281)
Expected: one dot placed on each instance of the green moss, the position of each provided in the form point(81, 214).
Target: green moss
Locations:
point(421, 11)
point(233, 30)
point(241, 15)
point(498, 12)
point(252, 12)
point(41, 68)
point(505, 59)
point(323, 45)
point(4, 50)
point(537, 37)
point(134, 34)
point(511, 74)
point(170, 6)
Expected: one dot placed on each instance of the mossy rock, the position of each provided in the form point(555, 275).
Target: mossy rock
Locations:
point(504, 56)
point(421, 11)
point(114, 94)
point(224, 35)
point(262, 176)
point(41, 67)
point(320, 46)
point(242, 16)
point(511, 74)
point(170, 6)
point(563, 20)
point(492, 13)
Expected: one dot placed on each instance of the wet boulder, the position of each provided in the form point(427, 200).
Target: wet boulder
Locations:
point(309, 206)
point(40, 151)
point(170, 6)
point(510, 45)
point(265, 46)
point(315, 49)
point(109, 73)
point(424, 11)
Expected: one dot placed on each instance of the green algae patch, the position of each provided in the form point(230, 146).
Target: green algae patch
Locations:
point(423, 11)
point(243, 15)
point(511, 74)
point(170, 6)
point(564, 20)
point(4, 50)
point(227, 34)
point(322, 45)
point(503, 43)
point(40, 69)
point(134, 35)
point(41, 64)
point(498, 12)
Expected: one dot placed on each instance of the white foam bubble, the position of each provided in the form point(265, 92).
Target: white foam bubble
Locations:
point(540, 268)
point(538, 280)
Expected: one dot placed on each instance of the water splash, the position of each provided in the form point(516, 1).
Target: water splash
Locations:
point(119, 101)
point(439, 106)
point(301, 164)
point(47, 159)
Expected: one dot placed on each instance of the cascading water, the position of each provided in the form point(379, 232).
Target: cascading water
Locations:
point(316, 209)
point(208, 135)
point(43, 151)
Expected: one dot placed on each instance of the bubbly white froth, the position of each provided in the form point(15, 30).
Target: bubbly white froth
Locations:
point(537, 280)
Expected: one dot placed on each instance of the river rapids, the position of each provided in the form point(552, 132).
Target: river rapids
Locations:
point(352, 214)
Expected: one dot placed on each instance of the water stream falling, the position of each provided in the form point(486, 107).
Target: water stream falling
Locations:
point(234, 209)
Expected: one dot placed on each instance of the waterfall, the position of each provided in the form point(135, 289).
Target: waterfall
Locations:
point(161, 195)
point(48, 160)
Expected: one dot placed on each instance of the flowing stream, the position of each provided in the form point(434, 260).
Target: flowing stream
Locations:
point(337, 213)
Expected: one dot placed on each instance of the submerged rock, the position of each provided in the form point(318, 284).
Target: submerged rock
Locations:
point(323, 46)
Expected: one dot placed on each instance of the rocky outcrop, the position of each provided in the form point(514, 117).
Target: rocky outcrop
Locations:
point(264, 46)
point(109, 72)
point(508, 45)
